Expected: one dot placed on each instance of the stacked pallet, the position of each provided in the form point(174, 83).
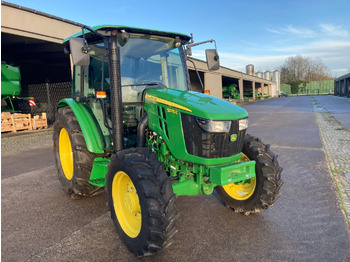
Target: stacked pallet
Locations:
point(7, 122)
point(39, 122)
point(15, 122)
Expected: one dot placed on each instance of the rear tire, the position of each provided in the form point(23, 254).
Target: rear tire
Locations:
point(73, 161)
point(141, 201)
point(263, 190)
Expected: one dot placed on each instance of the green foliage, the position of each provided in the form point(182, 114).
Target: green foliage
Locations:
point(298, 71)
point(294, 86)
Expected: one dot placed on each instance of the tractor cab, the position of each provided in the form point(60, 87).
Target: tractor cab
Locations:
point(144, 59)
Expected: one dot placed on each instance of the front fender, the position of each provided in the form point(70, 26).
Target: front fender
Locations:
point(87, 125)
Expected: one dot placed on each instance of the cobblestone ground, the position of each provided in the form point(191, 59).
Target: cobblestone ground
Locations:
point(336, 142)
point(11, 143)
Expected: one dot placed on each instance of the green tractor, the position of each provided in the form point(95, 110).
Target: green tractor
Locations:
point(230, 92)
point(134, 128)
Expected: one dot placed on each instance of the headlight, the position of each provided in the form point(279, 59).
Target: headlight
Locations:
point(243, 124)
point(213, 125)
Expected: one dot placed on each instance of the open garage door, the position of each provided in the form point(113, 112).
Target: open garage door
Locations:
point(45, 71)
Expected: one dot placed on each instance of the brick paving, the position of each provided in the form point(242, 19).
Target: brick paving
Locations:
point(12, 142)
point(336, 142)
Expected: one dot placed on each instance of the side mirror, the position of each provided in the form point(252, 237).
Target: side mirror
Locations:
point(212, 59)
point(79, 51)
point(123, 37)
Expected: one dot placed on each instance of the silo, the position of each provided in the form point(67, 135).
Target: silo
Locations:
point(259, 74)
point(267, 75)
point(277, 78)
point(249, 69)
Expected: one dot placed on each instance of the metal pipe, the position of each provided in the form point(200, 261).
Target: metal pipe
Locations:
point(141, 136)
point(116, 92)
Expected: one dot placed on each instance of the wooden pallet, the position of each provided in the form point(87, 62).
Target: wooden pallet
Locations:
point(7, 122)
point(39, 122)
point(15, 122)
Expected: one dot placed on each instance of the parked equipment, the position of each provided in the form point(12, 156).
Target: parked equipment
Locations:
point(133, 126)
point(11, 90)
point(230, 92)
point(10, 85)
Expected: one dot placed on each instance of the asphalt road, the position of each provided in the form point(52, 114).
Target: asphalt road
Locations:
point(40, 223)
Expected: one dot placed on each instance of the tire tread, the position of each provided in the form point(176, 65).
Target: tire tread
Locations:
point(266, 196)
point(79, 186)
point(159, 198)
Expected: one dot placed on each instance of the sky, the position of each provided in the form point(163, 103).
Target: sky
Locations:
point(262, 33)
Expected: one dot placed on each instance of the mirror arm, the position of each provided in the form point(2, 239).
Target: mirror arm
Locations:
point(189, 46)
point(83, 27)
point(201, 43)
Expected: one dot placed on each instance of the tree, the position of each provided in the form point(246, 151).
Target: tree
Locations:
point(300, 70)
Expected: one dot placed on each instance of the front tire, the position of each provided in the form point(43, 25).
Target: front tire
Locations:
point(263, 190)
point(141, 201)
point(73, 161)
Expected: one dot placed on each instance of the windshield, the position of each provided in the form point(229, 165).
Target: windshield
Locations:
point(144, 62)
point(151, 62)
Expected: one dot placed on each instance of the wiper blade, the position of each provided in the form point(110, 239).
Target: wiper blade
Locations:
point(149, 84)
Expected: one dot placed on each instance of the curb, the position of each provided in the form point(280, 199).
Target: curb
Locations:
point(336, 139)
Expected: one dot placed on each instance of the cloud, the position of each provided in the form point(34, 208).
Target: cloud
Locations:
point(272, 62)
point(334, 30)
point(327, 42)
point(263, 62)
point(323, 30)
point(341, 70)
point(260, 62)
point(317, 46)
point(292, 31)
point(274, 31)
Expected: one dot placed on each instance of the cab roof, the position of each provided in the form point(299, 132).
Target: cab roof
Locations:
point(108, 28)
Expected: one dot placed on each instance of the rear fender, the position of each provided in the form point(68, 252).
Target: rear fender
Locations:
point(87, 125)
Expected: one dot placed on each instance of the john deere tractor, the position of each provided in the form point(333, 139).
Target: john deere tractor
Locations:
point(134, 128)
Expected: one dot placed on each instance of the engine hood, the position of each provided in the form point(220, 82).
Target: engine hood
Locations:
point(197, 104)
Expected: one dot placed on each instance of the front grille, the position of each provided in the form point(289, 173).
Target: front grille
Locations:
point(210, 145)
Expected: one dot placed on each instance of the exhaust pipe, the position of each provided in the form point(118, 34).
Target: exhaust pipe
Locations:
point(141, 135)
point(116, 92)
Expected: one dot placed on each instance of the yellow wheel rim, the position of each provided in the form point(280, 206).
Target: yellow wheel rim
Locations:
point(66, 154)
point(126, 204)
point(241, 192)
